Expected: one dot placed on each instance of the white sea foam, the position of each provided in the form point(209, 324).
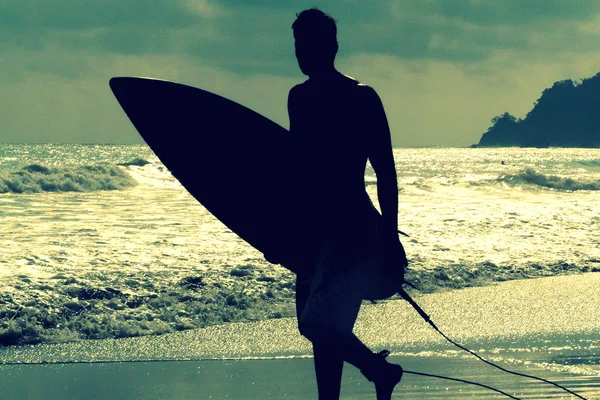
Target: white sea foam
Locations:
point(590, 164)
point(36, 178)
point(531, 177)
point(149, 259)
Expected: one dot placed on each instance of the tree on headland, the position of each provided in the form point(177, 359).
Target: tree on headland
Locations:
point(566, 115)
point(503, 127)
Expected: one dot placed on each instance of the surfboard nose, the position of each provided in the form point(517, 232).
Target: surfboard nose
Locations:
point(125, 88)
point(118, 83)
point(148, 101)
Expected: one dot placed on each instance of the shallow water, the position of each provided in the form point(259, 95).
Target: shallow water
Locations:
point(265, 379)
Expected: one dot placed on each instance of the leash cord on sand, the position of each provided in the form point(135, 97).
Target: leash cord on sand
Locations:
point(427, 319)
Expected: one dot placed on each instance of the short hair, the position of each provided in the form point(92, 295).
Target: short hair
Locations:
point(315, 24)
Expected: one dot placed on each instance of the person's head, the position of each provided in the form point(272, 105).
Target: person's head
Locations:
point(315, 35)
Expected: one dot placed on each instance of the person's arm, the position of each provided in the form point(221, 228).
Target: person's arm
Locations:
point(292, 106)
point(382, 160)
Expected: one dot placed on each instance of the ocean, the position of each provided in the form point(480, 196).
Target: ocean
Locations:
point(100, 241)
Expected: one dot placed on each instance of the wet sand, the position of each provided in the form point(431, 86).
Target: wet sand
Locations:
point(263, 379)
point(548, 327)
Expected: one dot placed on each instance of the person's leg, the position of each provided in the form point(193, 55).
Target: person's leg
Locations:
point(328, 361)
point(328, 369)
point(327, 319)
point(332, 349)
point(303, 284)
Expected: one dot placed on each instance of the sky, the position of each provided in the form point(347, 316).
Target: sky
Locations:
point(443, 68)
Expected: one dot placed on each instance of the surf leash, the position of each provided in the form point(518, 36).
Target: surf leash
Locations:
point(402, 233)
point(427, 319)
point(463, 381)
point(385, 353)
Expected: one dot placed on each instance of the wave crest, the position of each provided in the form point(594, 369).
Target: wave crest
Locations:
point(592, 164)
point(137, 162)
point(37, 178)
point(531, 177)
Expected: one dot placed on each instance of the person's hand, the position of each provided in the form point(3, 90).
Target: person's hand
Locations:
point(388, 227)
point(272, 258)
point(393, 251)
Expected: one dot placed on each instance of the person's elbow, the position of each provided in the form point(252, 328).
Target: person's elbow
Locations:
point(387, 180)
point(385, 171)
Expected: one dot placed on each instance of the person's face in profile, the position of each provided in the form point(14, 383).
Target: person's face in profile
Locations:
point(314, 54)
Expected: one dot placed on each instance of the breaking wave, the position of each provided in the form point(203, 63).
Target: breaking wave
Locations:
point(593, 164)
point(36, 178)
point(531, 177)
point(138, 162)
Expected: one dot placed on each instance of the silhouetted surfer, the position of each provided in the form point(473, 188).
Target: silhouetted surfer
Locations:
point(338, 124)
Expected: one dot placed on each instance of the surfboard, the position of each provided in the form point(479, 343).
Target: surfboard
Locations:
point(237, 163)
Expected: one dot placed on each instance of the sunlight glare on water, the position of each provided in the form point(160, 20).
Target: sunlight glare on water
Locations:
point(149, 259)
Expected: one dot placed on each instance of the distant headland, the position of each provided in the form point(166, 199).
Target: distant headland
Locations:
point(566, 115)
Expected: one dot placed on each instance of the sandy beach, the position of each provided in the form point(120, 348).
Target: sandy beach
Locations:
point(547, 327)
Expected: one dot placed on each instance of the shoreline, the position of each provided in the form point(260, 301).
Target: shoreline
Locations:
point(546, 327)
point(516, 310)
point(78, 311)
point(268, 379)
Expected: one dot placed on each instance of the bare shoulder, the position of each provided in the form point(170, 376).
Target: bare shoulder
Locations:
point(299, 95)
point(367, 94)
point(350, 79)
point(298, 89)
point(355, 83)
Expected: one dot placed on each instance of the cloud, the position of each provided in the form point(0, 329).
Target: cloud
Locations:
point(444, 68)
point(445, 104)
point(466, 31)
point(508, 12)
point(48, 104)
point(122, 27)
point(255, 36)
point(38, 15)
